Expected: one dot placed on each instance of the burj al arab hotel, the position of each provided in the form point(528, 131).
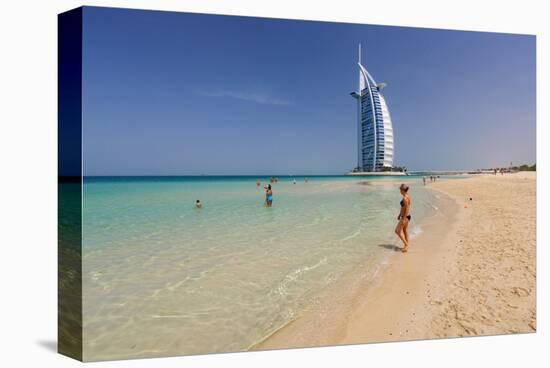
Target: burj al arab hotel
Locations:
point(374, 126)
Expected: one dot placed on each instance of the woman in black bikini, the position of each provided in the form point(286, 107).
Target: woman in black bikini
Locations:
point(404, 217)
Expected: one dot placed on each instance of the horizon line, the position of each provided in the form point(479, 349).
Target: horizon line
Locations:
point(270, 175)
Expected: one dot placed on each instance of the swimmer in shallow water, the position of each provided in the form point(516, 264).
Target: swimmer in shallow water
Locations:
point(268, 195)
point(198, 204)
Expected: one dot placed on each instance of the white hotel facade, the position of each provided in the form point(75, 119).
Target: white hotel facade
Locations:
point(374, 126)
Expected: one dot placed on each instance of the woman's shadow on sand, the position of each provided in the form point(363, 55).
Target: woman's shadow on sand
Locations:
point(391, 247)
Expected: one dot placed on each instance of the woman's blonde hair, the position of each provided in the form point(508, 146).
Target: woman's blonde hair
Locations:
point(404, 187)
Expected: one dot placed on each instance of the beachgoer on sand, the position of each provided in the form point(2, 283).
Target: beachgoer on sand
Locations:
point(404, 217)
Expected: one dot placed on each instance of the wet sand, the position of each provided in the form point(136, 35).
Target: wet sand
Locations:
point(471, 272)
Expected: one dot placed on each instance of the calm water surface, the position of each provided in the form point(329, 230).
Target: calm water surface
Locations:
point(163, 278)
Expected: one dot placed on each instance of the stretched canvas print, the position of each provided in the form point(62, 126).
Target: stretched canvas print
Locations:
point(233, 183)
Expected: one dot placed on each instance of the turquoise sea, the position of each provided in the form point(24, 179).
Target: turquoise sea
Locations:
point(161, 277)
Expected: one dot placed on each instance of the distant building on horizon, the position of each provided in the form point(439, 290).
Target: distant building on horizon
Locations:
point(374, 127)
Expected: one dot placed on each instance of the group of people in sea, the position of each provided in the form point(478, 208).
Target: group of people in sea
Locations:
point(403, 218)
point(432, 178)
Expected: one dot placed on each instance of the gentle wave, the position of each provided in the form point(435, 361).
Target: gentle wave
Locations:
point(351, 236)
point(416, 231)
point(282, 288)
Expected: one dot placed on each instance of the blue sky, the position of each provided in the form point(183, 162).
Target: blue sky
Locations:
point(187, 94)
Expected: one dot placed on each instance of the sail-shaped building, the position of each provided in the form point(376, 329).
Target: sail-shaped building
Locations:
point(374, 126)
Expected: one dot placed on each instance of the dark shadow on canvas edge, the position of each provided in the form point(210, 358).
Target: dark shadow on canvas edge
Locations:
point(50, 345)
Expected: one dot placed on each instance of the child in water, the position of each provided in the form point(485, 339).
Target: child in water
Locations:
point(198, 204)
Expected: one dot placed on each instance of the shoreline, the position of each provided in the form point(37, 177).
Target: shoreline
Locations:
point(414, 296)
point(368, 294)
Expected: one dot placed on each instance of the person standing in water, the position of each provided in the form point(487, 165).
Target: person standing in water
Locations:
point(404, 217)
point(268, 195)
point(198, 204)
